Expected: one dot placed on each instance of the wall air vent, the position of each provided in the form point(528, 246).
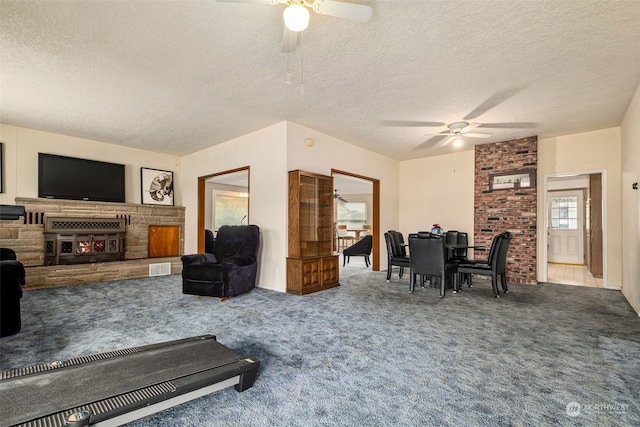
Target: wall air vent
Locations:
point(160, 269)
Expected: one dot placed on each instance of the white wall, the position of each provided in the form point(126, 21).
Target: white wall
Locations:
point(265, 152)
point(21, 161)
point(438, 190)
point(328, 152)
point(630, 141)
point(585, 152)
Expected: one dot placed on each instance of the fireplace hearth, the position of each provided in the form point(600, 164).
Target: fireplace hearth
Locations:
point(83, 240)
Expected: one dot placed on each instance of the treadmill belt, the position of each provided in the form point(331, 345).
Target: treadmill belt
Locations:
point(151, 371)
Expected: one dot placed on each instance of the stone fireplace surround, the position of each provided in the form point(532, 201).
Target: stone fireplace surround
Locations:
point(26, 236)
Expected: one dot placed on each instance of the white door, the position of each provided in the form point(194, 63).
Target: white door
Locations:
point(566, 227)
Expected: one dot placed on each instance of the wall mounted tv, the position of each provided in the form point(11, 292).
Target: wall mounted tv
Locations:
point(61, 177)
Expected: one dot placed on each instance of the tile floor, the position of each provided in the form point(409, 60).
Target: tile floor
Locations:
point(571, 274)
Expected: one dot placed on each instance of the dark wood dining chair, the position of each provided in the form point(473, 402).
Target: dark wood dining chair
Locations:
point(459, 255)
point(496, 264)
point(450, 239)
point(396, 252)
point(429, 258)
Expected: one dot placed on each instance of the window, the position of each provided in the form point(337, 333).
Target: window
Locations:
point(354, 214)
point(564, 213)
point(230, 210)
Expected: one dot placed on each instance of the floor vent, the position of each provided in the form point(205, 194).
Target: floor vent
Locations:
point(160, 269)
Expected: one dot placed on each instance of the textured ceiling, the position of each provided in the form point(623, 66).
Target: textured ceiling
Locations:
point(180, 76)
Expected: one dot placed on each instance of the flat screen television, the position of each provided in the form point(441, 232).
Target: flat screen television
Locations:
point(61, 177)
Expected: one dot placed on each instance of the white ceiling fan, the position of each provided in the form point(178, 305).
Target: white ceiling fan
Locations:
point(296, 15)
point(457, 130)
point(338, 196)
point(461, 129)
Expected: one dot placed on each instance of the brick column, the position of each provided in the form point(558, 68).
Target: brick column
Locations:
point(513, 210)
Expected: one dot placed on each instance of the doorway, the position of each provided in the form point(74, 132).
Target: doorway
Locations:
point(223, 198)
point(566, 226)
point(357, 205)
point(574, 226)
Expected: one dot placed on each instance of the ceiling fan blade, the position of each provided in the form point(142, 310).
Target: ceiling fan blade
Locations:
point(476, 135)
point(355, 12)
point(471, 126)
point(448, 141)
point(404, 123)
point(289, 40)
point(437, 136)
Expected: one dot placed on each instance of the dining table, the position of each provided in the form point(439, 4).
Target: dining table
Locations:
point(459, 246)
point(357, 232)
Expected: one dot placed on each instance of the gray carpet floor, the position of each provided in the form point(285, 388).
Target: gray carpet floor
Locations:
point(367, 353)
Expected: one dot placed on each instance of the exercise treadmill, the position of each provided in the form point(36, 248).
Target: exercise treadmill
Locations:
point(113, 388)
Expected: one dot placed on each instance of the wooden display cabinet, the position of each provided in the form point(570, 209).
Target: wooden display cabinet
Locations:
point(311, 264)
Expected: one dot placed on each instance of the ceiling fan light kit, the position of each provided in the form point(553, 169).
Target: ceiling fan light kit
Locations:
point(457, 127)
point(296, 17)
point(458, 130)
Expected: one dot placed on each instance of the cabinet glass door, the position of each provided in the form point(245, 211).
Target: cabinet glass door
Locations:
point(315, 216)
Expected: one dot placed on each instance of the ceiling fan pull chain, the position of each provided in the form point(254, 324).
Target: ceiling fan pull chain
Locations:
point(454, 158)
point(288, 76)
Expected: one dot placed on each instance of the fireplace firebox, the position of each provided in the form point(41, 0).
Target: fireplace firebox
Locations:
point(83, 240)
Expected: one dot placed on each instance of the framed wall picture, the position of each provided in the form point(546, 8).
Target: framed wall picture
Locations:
point(525, 178)
point(156, 186)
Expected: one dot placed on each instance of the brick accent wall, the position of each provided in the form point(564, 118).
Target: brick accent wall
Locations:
point(26, 237)
point(513, 210)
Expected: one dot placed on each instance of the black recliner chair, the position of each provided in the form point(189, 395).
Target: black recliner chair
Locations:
point(361, 248)
point(12, 279)
point(230, 270)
